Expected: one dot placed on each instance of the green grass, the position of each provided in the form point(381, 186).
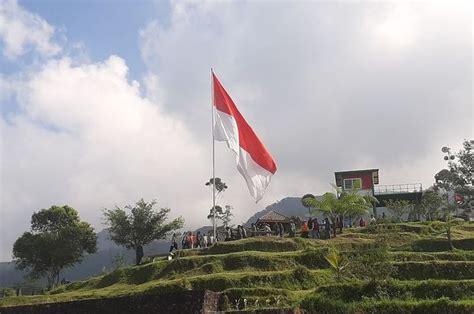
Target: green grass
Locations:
point(269, 272)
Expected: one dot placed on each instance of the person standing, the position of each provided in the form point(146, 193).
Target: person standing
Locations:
point(199, 239)
point(281, 229)
point(316, 234)
point(204, 240)
point(292, 229)
point(304, 230)
point(327, 227)
point(174, 243)
point(244, 232)
point(228, 234)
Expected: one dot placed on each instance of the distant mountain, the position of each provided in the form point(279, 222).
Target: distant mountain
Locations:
point(106, 258)
point(108, 253)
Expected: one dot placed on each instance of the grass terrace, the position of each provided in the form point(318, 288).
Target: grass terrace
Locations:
point(270, 272)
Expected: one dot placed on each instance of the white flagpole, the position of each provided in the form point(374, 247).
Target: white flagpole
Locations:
point(213, 163)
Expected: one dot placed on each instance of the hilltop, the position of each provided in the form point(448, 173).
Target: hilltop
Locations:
point(109, 253)
point(270, 272)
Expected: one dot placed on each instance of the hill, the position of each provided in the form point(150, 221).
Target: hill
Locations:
point(289, 206)
point(109, 254)
point(270, 272)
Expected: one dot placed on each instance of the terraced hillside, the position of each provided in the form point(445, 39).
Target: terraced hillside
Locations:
point(268, 272)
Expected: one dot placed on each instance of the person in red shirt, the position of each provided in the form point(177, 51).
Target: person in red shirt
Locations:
point(304, 230)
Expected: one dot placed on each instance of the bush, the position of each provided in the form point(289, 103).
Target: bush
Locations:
point(319, 304)
point(429, 289)
point(437, 245)
point(313, 259)
point(432, 256)
point(373, 264)
point(434, 270)
point(262, 244)
point(7, 292)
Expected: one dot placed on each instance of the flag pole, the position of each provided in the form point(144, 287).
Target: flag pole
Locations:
point(213, 164)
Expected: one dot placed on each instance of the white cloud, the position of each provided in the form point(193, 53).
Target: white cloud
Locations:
point(327, 86)
point(21, 31)
point(86, 137)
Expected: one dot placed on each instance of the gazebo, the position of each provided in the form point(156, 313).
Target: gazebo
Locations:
point(272, 218)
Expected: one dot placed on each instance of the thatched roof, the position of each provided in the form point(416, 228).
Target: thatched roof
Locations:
point(273, 216)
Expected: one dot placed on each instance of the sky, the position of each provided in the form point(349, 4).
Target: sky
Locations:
point(106, 102)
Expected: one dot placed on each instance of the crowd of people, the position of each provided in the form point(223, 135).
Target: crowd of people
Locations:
point(311, 228)
point(190, 240)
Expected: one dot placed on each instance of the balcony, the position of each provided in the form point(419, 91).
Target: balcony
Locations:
point(398, 189)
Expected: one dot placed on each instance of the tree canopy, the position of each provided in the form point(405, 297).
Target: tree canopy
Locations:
point(140, 226)
point(399, 207)
point(459, 177)
point(57, 240)
point(347, 204)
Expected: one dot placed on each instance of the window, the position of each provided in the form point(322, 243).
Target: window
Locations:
point(375, 177)
point(355, 183)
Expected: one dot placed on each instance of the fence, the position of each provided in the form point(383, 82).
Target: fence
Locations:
point(398, 188)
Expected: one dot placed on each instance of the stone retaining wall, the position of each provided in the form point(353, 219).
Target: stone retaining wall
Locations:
point(178, 302)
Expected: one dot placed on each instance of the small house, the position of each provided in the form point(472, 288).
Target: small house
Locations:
point(272, 218)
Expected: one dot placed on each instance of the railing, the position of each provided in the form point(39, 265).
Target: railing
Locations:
point(398, 188)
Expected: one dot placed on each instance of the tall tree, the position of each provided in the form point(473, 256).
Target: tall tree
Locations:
point(58, 239)
point(431, 204)
point(347, 204)
point(307, 201)
point(139, 227)
point(227, 215)
point(459, 177)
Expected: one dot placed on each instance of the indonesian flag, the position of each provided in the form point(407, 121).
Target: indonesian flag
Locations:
point(254, 161)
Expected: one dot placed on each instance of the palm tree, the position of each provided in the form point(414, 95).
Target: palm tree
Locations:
point(344, 204)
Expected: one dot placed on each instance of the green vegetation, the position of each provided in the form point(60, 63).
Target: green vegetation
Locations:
point(398, 208)
point(140, 227)
point(58, 239)
point(404, 267)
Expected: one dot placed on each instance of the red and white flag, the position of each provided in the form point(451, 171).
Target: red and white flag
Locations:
point(254, 161)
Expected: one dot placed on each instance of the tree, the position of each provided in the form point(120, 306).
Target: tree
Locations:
point(227, 215)
point(431, 204)
point(450, 222)
point(141, 226)
point(354, 204)
point(219, 185)
point(347, 204)
point(216, 211)
point(58, 239)
point(307, 201)
point(459, 177)
point(224, 215)
point(398, 208)
point(329, 205)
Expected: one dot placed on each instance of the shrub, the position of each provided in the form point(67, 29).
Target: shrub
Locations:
point(434, 270)
point(262, 244)
point(6, 292)
point(432, 256)
point(320, 304)
point(372, 264)
point(437, 245)
point(428, 289)
point(313, 259)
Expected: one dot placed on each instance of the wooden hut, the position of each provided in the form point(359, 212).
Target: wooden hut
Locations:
point(272, 218)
